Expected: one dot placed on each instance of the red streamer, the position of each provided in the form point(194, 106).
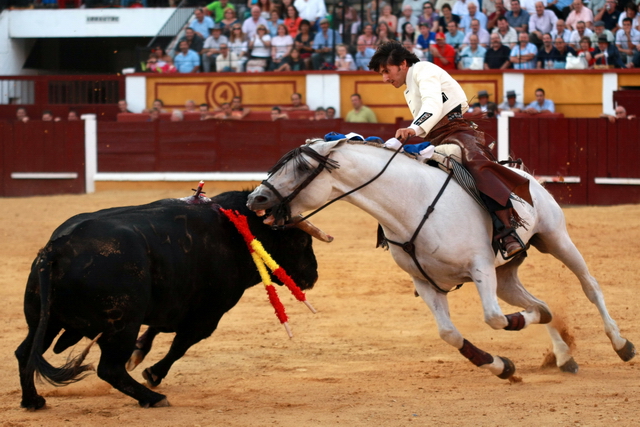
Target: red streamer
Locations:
point(277, 305)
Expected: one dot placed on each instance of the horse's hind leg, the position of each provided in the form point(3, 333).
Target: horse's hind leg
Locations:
point(437, 302)
point(511, 291)
point(559, 245)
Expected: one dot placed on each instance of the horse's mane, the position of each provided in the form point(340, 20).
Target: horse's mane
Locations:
point(367, 143)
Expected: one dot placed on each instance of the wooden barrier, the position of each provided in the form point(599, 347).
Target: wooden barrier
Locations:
point(40, 158)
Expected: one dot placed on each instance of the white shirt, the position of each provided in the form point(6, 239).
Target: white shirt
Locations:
point(249, 26)
point(575, 37)
point(460, 7)
point(431, 93)
point(311, 10)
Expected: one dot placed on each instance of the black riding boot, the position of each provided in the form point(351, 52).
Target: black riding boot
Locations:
point(504, 234)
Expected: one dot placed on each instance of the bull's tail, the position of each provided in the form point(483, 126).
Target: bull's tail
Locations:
point(71, 371)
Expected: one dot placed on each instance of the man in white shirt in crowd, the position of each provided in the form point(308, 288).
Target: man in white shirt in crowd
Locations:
point(250, 25)
point(580, 32)
point(561, 30)
point(211, 48)
point(579, 13)
point(508, 35)
point(542, 21)
point(482, 34)
point(474, 13)
point(460, 7)
point(311, 10)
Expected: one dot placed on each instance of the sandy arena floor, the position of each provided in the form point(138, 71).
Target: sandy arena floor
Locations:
point(370, 357)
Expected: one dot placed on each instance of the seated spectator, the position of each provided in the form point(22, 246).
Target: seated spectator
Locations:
point(281, 46)
point(413, 49)
point(368, 38)
point(383, 33)
point(218, 8)
point(122, 106)
point(510, 103)
point(497, 56)
point(187, 61)
point(204, 111)
point(425, 38)
point(543, 21)
point(304, 42)
point(547, 55)
point(454, 37)
point(211, 49)
point(443, 54)
point(296, 103)
point(580, 32)
point(474, 13)
point(323, 44)
point(599, 30)
point(154, 115)
point(508, 35)
point(167, 66)
point(292, 21)
point(481, 33)
point(630, 11)
point(561, 31)
point(158, 104)
point(483, 106)
point(540, 105)
point(21, 115)
point(363, 57)
point(408, 33)
point(273, 22)
point(227, 61)
point(609, 14)
point(388, 18)
point(563, 49)
point(150, 65)
point(293, 62)
point(517, 17)
point(344, 60)
point(607, 55)
point(264, 5)
point(587, 51)
point(627, 40)
point(194, 41)
point(320, 114)
point(472, 56)
point(239, 45)
point(429, 17)
point(73, 116)
point(331, 113)
point(190, 106)
point(226, 113)
point(229, 21)
point(561, 8)
point(47, 116)
point(237, 109)
point(446, 18)
point(251, 24)
point(313, 10)
point(177, 116)
point(277, 114)
point(620, 113)
point(202, 25)
point(523, 55)
point(492, 19)
point(460, 7)
point(579, 13)
point(407, 17)
point(260, 47)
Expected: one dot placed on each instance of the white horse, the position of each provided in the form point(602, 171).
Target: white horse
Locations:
point(452, 247)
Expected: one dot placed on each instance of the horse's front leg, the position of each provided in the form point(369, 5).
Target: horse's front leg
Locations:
point(486, 283)
point(439, 306)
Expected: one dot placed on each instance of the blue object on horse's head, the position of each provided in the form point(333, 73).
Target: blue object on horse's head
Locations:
point(416, 148)
point(334, 136)
point(374, 139)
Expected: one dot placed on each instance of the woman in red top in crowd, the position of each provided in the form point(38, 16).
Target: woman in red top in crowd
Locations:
point(292, 21)
point(585, 47)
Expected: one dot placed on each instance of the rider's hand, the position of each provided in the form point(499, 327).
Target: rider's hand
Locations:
point(404, 134)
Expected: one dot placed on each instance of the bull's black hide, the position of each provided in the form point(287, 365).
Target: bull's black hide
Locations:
point(176, 265)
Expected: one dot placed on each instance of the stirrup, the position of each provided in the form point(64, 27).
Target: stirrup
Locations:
point(503, 251)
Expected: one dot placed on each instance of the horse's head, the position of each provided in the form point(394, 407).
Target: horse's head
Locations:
point(296, 184)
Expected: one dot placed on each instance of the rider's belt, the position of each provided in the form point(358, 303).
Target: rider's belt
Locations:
point(454, 114)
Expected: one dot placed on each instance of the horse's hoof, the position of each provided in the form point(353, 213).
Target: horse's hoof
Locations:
point(570, 366)
point(161, 403)
point(545, 315)
point(508, 370)
point(136, 358)
point(152, 380)
point(627, 352)
point(35, 405)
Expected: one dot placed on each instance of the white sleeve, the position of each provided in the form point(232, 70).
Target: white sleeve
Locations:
point(431, 96)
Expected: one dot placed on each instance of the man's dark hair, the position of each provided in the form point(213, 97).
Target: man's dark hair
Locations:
point(502, 18)
point(276, 108)
point(357, 94)
point(540, 90)
point(629, 20)
point(446, 6)
point(631, 5)
point(47, 112)
point(391, 53)
point(204, 104)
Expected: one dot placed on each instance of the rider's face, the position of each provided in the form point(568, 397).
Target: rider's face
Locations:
point(394, 74)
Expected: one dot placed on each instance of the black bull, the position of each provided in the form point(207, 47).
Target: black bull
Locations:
point(173, 265)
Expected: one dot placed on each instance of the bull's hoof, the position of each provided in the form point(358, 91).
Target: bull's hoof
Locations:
point(38, 403)
point(570, 366)
point(136, 358)
point(152, 380)
point(508, 370)
point(627, 352)
point(161, 403)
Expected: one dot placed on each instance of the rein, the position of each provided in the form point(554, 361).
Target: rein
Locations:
point(410, 248)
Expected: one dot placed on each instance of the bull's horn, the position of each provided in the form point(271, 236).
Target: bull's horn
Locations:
point(314, 231)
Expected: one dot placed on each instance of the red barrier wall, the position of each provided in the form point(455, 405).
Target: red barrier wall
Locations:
point(37, 147)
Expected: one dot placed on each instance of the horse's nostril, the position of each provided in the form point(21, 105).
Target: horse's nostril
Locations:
point(260, 199)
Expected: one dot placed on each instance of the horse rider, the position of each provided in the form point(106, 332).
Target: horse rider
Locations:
point(437, 103)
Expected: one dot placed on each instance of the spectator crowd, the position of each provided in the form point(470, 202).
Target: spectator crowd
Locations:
point(297, 35)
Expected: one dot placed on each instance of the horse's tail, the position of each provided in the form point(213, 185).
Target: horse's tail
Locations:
point(69, 372)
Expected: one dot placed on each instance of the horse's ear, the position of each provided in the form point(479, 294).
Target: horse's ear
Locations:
point(333, 145)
